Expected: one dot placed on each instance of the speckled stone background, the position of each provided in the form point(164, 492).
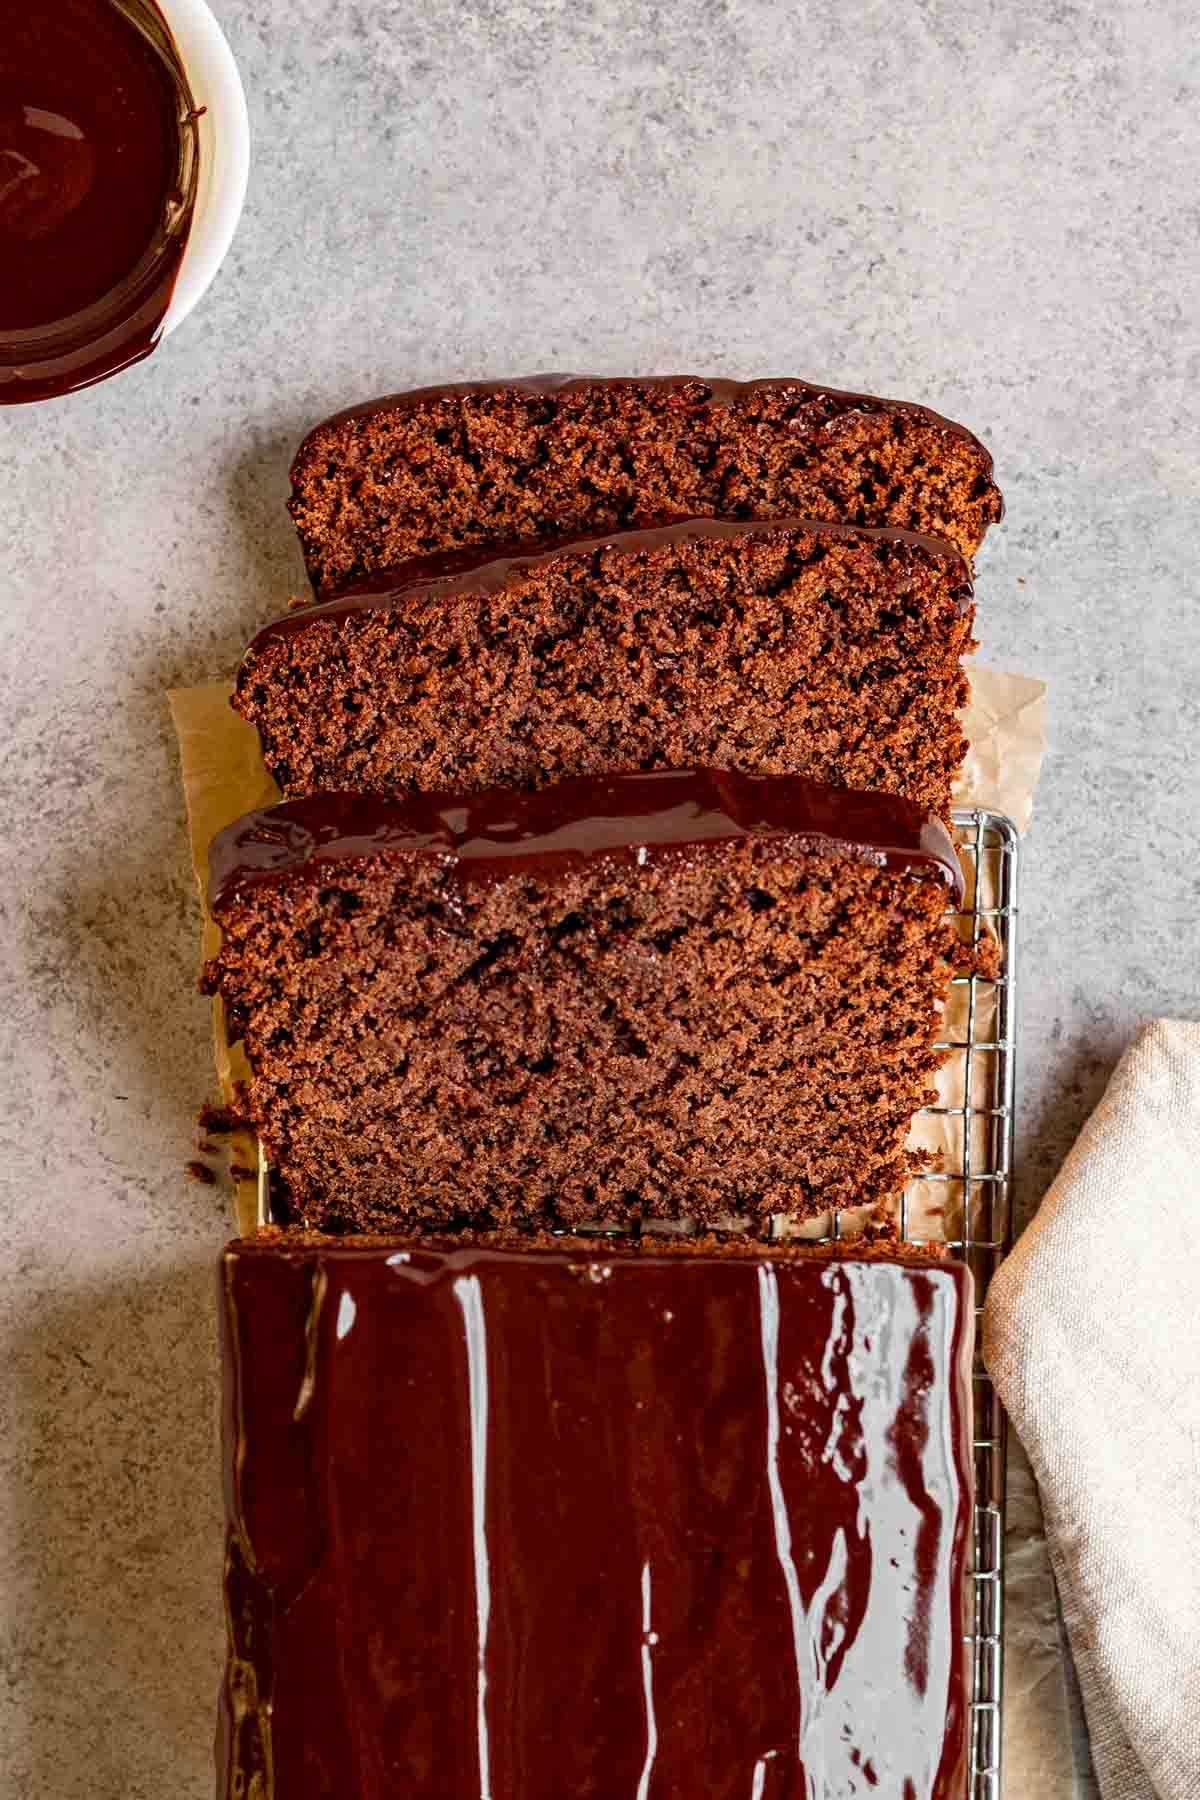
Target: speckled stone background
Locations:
point(989, 208)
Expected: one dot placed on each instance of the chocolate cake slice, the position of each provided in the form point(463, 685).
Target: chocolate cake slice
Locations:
point(786, 648)
point(594, 1520)
point(685, 994)
point(452, 468)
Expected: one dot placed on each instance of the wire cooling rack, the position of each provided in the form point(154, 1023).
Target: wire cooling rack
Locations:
point(976, 1120)
point(964, 1202)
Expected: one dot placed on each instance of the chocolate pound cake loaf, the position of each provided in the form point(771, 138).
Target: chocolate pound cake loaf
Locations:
point(747, 1469)
point(789, 648)
point(454, 468)
point(668, 995)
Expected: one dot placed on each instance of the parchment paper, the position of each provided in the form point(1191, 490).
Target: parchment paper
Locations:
point(224, 776)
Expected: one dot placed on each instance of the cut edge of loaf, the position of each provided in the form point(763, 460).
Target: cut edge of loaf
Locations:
point(379, 509)
point(421, 1023)
point(876, 1240)
point(791, 646)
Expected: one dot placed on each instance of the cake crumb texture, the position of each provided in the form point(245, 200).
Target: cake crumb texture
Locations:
point(736, 1029)
point(779, 649)
point(514, 462)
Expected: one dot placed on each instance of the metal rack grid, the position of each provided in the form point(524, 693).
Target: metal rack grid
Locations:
point(972, 1216)
point(981, 1038)
point(966, 1203)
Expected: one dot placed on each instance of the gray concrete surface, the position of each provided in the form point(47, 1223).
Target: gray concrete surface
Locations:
point(989, 208)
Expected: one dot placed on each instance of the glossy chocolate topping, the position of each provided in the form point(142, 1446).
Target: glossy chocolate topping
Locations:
point(97, 184)
point(589, 1523)
point(634, 818)
point(487, 571)
point(812, 402)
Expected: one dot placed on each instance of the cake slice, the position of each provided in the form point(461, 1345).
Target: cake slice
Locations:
point(686, 994)
point(590, 1520)
point(786, 648)
point(453, 468)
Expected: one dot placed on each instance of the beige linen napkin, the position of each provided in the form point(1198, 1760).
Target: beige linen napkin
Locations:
point(1092, 1335)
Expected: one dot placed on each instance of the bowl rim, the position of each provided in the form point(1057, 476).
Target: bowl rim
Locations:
point(224, 150)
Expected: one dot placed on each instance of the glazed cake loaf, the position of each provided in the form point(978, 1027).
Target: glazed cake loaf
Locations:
point(789, 648)
point(454, 468)
point(684, 994)
point(634, 1521)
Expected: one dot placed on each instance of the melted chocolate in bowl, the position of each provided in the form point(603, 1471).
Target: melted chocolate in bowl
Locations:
point(98, 160)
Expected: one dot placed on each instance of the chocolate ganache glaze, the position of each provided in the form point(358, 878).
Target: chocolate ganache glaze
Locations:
point(477, 571)
point(98, 168)
point(592, 1522)
point(708, 390)
point(636, 817)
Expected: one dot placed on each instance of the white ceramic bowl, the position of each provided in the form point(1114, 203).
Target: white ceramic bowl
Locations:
point(224, 149)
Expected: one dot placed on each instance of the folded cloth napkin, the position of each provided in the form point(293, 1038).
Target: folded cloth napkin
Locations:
point(1092, 1336)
